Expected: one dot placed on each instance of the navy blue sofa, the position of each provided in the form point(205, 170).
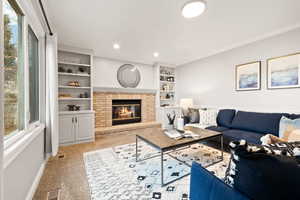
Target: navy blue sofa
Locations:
point(250, 126)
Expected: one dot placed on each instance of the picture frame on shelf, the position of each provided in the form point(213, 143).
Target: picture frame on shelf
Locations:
point(248, 76)
point(283, 72)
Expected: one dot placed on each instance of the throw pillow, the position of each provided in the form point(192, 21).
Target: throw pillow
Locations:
point(265, 172)
point(208, 117)
point(193, 115)
point(289, 130)
point(291, 136)
point(225, 117)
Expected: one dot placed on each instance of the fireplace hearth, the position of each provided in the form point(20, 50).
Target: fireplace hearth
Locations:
point(126, 111)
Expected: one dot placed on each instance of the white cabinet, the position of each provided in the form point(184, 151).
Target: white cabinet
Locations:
point(66, 129)
point(76, 128)
point(84, 126)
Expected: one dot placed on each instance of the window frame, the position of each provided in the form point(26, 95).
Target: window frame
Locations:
point(17, 135)
point(30, 28)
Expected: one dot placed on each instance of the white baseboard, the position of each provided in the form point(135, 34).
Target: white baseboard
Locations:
point(36, 181)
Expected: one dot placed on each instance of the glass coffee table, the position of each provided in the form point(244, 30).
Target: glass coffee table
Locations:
point(165, 145)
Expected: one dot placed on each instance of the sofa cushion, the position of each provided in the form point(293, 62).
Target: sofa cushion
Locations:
point(225, 117)
point(255, 171)
point(265, 123)
point(217, 128)
point(289, 129)
point(193, 115)
point(208, 116)
point(292, 116)
point(235, 134)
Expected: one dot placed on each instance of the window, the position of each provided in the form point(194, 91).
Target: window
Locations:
point(13, 69)
point(33, 62)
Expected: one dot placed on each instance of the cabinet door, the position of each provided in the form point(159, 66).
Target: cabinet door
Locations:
point(85, 127)
point(66, 129)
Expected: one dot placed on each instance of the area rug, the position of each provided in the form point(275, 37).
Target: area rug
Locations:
point(113, 173)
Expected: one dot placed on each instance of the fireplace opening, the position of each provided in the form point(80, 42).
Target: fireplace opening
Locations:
point(126, 111)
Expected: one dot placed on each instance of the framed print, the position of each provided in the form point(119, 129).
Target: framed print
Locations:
point(248, 76)
point(284, 72)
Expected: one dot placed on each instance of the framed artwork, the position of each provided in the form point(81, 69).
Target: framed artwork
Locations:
point(284, 72)
point(248, 76)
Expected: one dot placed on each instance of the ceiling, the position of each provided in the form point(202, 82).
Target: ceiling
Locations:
point(142, 27)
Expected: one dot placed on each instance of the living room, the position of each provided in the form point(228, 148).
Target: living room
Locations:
point(175, 99)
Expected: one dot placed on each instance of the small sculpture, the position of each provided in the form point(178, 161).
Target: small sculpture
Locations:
point(81, 69)
point(61, 69)
point(171, 118)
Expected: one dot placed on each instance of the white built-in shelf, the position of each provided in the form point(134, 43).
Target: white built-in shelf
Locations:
point(73, 64)
point(168, 75)
point(73, 99)
point(167, 85)
point(166, 91)
point(72, 74)
point(73, 61)
point(72, 87)
point(76, 112)
point(168, 82)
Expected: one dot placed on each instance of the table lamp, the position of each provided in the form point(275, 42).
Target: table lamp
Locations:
point(184, 104)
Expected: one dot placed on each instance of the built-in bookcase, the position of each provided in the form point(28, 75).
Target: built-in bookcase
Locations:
point(75, 96)
point(74, 81)
point(166, 99)
point(167, 83)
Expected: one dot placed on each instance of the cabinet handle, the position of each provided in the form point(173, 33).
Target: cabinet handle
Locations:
point(72, 119)
point(76, 119)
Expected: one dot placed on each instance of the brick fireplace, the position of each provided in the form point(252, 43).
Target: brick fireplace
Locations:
point(103, 106)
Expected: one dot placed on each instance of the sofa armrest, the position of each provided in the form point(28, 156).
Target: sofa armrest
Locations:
point(205, 186)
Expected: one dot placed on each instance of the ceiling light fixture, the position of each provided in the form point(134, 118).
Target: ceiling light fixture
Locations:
point(116, 46)
point(193, 8)
point(155, 54)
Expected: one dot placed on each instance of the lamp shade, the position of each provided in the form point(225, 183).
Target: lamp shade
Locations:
point(186, 103)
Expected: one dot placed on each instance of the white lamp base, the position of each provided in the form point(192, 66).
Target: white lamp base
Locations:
point(180, 124)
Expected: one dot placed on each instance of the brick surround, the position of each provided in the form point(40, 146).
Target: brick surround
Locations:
point(103, 106)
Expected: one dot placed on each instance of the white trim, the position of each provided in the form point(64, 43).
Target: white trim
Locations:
point(36, 181)
point(1, 100)
point(68, 48)
point(124, 90)
point(31, 16)
point(246, 42)
point(17, 135)
point(124, 61)
point(15, 149)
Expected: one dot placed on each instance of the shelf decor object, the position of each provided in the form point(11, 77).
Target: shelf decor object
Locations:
point(284, 72)
point(248, 76)
point(167, 86)
point(75, 96)
point(129, 76)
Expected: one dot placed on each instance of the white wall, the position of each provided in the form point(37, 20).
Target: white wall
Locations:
point(105, 73)
point(211, 81)
point(21, 176)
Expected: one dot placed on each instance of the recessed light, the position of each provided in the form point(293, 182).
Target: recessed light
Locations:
point(155, 54)
point(116, 46)
point(193, 8)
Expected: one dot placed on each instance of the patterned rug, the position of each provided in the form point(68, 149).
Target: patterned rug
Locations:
point(113, 173)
